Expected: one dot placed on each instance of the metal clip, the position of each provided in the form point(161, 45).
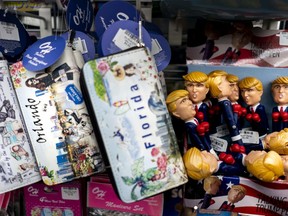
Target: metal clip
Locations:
point(71, 37)
point(140, 41)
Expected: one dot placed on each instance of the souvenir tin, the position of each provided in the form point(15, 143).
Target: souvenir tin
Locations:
point(128, 102)
point(57, 120)
point(18, 166)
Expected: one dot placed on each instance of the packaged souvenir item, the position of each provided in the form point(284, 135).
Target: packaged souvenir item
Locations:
point(57, 120)
point(56, 200)
point(226, 9)
point(238, 194)
point(126, 97)
point(265, 75)
point(237, 44)
point(18, 166)
point(173, 201)
point(102, 200)
point(254, 109)
point(4, 201)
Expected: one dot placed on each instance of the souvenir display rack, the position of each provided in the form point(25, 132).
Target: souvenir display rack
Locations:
point(178, 21)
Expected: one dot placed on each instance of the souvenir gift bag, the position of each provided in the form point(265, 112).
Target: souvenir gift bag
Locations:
point(57, 200)
point(126, 97)
point(57, 120)
point(4, 202)
point(18, 166)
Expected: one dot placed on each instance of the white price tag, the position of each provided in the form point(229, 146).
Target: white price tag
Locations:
point(222, 130)
point(80, 45)
point(283, 40)
point(218, 144)
point(250, 137)
point(124, 39)
point(247, 129)
point(156, 48)
point(9, 31)
point(70, 193)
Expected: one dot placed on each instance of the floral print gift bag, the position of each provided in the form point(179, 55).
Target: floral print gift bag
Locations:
point(128, 102)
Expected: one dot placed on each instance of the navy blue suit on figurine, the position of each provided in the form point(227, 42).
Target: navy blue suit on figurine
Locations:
point(238, 111)
point(239, 114)
point(279, 91)
point(259, 120)
point(202, 112)
point(279, 118)
point(215, 118)
point(232, 169)
point(203, 109)
point(226, 207)
point(200, 142)
point(207, 201)
point(229, 118)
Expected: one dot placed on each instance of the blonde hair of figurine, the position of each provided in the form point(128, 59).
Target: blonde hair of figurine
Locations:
point(279, 142)
point(211, 180)
point(279, 80)
point(173, 97)
point(232, 78)
point(266, 166)
point(197, 77)
point(196, 167)
point(214, 80)
point(249, 82)
point(240, 188)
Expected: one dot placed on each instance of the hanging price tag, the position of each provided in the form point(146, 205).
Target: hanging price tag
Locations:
point(79, 15)
point(123, 35)
point(83, 43)
point(13, 36)
point(114, 11)
point(283, 39)
point(160, 50)
point(43, 53)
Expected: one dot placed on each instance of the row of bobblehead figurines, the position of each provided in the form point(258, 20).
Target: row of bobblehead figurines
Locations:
point(267, 160)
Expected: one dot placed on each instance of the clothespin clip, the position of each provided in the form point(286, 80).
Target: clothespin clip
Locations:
point(5, 12)
point(71, 37)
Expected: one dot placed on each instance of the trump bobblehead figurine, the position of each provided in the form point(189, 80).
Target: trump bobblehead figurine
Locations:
point(235, 194)
point(211, 186)
point(238, 111)
point(279, 91)
point(220, 89)
point(180, 106)
point(251, 90)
